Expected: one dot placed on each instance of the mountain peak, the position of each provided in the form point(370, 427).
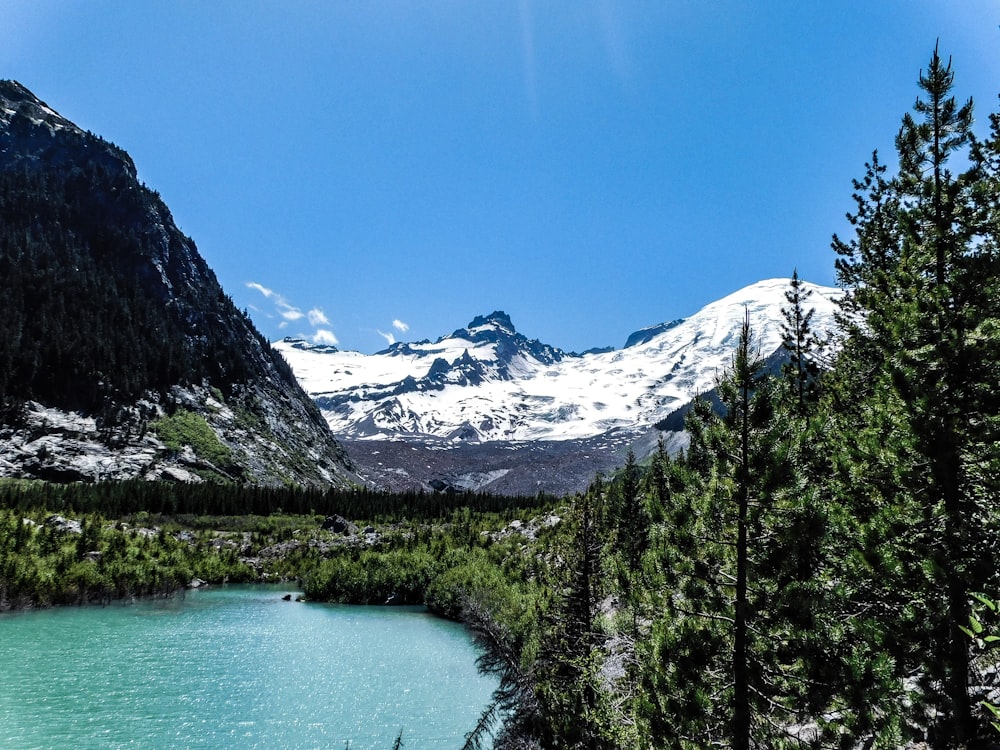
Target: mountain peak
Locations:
point(16, 99)
point(532, 391)
point(497, 318)
point(12, 92)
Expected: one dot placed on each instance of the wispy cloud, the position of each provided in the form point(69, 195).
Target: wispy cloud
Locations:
point(317, 317)
point(289, 313)
point(389, 338)
point(268, 293)
point(400, 326)
point(324, 337)
point(282, 306)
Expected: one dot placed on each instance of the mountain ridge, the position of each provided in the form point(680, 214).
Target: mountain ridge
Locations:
point(528, 390)
point(461, 415)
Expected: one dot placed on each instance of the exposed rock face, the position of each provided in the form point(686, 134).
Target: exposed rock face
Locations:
point(57, 446)
point(63, 525)
point(203, 356)
point(501, 468)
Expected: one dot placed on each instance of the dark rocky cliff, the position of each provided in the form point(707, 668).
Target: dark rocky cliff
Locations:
point(120, 354)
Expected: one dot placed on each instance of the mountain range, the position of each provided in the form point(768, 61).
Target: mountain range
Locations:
point(487, 408)
point(122, 357)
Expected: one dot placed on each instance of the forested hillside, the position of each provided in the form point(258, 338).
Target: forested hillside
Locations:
point(108, 312)
point(81, 326)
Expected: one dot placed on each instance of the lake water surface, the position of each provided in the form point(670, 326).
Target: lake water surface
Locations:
point(236, 667)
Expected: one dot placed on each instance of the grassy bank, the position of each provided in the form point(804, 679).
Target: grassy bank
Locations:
point(54, 555)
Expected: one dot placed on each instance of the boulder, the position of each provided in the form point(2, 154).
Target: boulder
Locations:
point(339, 525)
point(58, 523)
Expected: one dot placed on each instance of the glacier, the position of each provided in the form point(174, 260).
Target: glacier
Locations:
point(487, 382)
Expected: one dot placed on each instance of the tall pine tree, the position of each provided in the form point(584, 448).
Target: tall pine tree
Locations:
point(727, 664)
point(801, 372)
point(921, 312)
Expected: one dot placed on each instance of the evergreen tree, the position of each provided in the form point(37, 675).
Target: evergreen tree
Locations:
point(630, 540)
point(568, 686)
point(726, 664)
point(920, 363)
point(801, 372)
point(657, 481)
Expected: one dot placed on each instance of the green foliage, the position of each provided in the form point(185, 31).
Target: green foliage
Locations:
point(801, 372)
point(731, 656)
point(372, 577)
point(45, 562)
point(916, 404)
point(982, 631)
point(472, 575)
point(186, 428)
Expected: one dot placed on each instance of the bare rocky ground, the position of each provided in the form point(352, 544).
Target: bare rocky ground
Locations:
point(502, 468)
point(275, 443)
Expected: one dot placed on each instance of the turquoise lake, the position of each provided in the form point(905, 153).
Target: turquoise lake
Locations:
point(236, 667)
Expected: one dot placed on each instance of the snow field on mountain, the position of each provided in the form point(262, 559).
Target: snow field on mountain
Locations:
point(517, 397)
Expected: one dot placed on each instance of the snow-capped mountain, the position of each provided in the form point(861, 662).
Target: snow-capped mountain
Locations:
point(487, 382)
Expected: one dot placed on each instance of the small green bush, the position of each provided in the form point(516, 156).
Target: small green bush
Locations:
point(187, 428)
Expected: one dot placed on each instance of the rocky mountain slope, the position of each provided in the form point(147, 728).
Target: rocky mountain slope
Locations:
point(120, 354)
point(484, 406)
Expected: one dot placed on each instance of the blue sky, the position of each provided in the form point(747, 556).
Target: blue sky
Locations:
point(360, 171)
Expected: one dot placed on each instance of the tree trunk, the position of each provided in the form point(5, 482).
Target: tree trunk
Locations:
point(741, 671)
point(947, 466)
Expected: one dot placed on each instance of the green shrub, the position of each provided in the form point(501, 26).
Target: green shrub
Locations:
point(187, 428)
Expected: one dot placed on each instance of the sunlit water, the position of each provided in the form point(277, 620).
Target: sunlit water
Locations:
point(236, 667)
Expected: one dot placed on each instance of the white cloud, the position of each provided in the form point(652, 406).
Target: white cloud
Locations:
point(400, 325)
point(389, 338)
point(317, 317)
point(324, 337)
point(268, 293)
point(282, 306)
point(289, 312)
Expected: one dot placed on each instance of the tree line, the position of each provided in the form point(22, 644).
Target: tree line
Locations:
point(119, 499)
